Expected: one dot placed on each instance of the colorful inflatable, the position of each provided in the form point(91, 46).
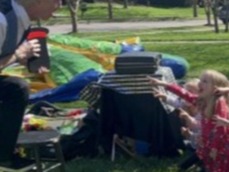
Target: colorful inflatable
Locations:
point(74, 58)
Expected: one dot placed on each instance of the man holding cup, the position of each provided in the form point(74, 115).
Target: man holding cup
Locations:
point(15, 17)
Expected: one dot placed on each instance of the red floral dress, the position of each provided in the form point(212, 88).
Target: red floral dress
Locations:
point(212, 137)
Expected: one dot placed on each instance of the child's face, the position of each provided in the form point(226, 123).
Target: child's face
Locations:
point(205, 86)
point(192, 88)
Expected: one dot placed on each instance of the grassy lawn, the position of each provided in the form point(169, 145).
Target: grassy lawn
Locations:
point(103, 164)
point(99, 12)
point(199, 33)
point(201, 55)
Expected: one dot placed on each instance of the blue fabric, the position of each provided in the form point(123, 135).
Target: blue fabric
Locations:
point(10, 42)
point(131, 48)
point(178, 65)
point(66, 92)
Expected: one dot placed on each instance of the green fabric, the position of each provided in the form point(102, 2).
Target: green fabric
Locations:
point(100, 46)
point(66, 64)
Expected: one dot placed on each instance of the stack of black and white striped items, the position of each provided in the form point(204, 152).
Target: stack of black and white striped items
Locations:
point(125, 84)
point(137, 63)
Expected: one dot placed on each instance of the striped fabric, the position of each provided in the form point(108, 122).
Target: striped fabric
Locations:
point(125, 84)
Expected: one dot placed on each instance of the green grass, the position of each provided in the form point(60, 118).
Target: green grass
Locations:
point(199, 56)
point(103, 164)
point(202, 33)
point(99, 12)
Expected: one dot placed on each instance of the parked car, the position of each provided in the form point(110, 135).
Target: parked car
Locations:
point(224, 14)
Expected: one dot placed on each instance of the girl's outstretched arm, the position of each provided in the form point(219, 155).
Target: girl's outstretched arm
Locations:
point(183, 93)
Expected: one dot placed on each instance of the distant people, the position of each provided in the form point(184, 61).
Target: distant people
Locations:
point(212, 147)
point(15, 17)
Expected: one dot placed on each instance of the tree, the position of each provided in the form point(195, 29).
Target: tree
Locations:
point(125, 5)
point(73, 6)
point(215, 14)
point(110, 11)
point(207, 8)
point(226, 3)
point(195, 13)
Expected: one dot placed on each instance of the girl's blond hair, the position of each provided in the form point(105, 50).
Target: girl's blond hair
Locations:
point(193, 83)
point(217, 79)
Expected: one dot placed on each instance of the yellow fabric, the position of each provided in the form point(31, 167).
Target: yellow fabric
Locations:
point(132, 40)
point(36, 82)
point(106, 60)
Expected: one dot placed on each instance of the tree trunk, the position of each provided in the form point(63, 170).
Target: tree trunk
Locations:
point(195, 13)
point(125, 5)
point(110, 11)
point(215, 15)
point(227, 13)
point(73, 6)
point(74, 22)
point(207, 7)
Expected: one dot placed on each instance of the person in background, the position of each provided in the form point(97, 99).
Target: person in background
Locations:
point(211, 146)
point(15, 17)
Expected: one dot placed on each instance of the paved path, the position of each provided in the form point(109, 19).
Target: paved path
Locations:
point(119, 26)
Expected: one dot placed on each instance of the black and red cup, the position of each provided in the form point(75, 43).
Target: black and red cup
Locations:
point(34, 63)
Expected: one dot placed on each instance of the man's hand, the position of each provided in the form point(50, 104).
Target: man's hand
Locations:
point(43, 70)
point(27, 50)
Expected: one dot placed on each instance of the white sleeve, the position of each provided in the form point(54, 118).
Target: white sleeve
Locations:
point(174, 101)
point(3, 25)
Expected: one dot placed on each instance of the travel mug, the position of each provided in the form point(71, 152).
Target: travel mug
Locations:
point(34, 63)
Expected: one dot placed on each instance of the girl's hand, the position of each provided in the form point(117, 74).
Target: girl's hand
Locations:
point(218, 91)
point(213, 154)
point(159, 94)
point(183, 114)
point(186, 132)
point(27, 50)
point(219, 121)
point(156, 82)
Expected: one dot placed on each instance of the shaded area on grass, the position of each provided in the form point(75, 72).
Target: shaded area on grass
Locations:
point(123, 164)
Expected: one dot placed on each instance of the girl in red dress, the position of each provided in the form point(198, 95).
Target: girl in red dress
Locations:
point(213, 148)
